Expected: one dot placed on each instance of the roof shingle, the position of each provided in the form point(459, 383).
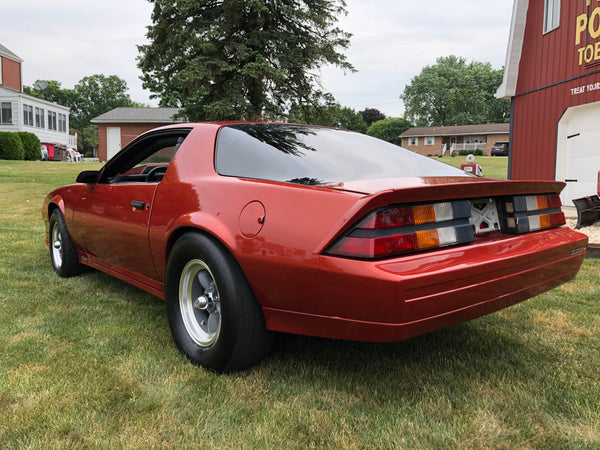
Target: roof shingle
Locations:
point(139, 115)
point(458, 130)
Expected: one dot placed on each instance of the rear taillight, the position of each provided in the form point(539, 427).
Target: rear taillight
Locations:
point(525, 213)
point(399, 230)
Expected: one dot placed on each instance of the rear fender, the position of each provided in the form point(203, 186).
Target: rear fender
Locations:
point(197, 221)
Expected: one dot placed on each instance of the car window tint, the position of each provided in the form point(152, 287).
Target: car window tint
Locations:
point(313, 155)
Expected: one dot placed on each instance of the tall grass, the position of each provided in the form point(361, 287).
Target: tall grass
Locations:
point(88, 362)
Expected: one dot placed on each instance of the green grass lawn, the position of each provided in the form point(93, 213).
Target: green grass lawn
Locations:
point(491, 166)
point(89, 362)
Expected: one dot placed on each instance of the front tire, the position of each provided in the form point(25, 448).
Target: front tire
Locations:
point(63, 254)
point(215, 320)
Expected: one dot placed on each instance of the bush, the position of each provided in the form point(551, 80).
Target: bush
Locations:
point(89, 155)
point(11, 146)
point(31, 145)
point(470, 152)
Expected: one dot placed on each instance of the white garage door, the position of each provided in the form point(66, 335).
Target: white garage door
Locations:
point(113, 141)
point(578, 151)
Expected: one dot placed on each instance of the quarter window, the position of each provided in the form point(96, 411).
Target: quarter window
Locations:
point(551, 15)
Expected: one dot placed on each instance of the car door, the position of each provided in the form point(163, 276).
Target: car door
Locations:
point(113, 220)
point(112, 217)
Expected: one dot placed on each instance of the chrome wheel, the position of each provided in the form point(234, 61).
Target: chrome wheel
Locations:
point(200, 303)
point(56, 247)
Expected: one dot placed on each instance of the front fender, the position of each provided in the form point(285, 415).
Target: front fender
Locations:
point(51, 202)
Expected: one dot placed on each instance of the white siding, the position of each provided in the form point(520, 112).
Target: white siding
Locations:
point(44, 134)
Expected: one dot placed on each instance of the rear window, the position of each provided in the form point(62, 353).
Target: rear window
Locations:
point(313, 155)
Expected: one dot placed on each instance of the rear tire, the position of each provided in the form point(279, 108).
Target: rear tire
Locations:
point(215, 320)
point(63, 254)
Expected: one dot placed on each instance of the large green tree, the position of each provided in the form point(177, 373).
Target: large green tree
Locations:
point(389, 129)
point(452, 92)
point(242, 59)
point(97, 94)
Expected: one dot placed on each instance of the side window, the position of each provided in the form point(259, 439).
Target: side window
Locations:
point(145, 160)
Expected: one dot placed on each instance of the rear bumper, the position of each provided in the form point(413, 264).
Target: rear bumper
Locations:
point(397, 299)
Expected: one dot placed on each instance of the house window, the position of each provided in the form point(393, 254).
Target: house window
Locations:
point(413, 141)
point(430, 140)
point(28, 115)
point(6, 112)
point(62, 123)
point(551, 15)
point(39, 117)
point(51, 120)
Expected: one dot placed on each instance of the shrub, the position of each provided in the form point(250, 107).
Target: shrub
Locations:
point(31, 145)
point(89, 155)
point(477, 152)
point(11, 146)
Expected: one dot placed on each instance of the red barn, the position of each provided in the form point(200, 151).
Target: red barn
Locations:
point(552, 75)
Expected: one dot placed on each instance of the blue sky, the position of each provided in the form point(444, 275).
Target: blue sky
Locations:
point(392, 41)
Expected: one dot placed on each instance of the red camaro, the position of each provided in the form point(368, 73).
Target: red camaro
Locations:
point(245, 229)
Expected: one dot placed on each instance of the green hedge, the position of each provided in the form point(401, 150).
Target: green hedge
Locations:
point(470, 152)
point(11, 146)
point(31, 145)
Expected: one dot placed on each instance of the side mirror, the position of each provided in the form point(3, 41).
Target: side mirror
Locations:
point(88, 177)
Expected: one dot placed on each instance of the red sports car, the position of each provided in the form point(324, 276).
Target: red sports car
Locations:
point(249, 228)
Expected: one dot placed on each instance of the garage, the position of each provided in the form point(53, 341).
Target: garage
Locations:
point(577, 152)
point(552, 76)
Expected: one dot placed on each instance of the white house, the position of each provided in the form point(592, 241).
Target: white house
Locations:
point(21, 112)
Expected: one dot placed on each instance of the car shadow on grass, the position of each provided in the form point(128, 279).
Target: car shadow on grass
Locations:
point(452, 360)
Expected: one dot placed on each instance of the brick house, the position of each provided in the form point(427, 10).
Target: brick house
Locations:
point(441, 140)
point(120, 126)
point(21, 112)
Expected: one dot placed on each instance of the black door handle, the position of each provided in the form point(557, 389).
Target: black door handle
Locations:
point(138, 205)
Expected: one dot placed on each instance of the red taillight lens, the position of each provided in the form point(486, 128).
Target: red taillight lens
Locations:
point(388, 218)
point(399, 230)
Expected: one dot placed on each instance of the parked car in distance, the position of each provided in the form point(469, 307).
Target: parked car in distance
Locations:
point(500, 149)
point(245, 229)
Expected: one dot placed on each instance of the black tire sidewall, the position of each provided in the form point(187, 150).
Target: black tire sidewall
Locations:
point(70, 260)
point(191, 246)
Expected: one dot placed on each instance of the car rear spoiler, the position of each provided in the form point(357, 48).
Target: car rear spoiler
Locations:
point(588, 210)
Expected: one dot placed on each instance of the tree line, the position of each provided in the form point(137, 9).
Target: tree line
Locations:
point(90, 97)
point(260, 60)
